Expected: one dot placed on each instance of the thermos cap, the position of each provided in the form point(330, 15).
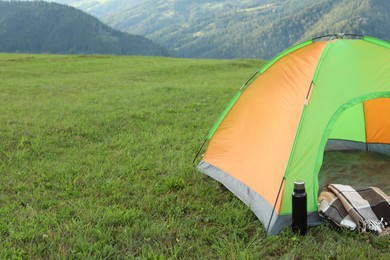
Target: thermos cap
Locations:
point(299, 185)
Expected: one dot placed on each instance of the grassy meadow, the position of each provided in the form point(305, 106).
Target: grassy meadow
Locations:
point(96, 162)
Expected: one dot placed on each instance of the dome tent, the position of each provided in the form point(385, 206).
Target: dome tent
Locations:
point(331, 92)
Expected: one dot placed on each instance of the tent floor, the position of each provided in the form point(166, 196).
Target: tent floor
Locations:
point(356, 168)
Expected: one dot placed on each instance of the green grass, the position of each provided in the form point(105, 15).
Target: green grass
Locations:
point(96, 162)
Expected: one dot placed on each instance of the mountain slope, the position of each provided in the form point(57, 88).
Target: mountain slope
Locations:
point(38, 27)
point(241, 29)
point(216, 29)
point(99, 8)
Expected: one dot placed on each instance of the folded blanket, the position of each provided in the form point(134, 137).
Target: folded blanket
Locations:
point(364, 209)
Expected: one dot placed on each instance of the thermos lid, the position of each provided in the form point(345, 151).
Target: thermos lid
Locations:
point(299, 185)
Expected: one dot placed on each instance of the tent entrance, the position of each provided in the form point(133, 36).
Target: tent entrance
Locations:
point(363, 126)
point(357, 151)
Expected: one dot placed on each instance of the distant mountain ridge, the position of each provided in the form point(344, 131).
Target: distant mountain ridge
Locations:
point(239, 29)
point(41, 27)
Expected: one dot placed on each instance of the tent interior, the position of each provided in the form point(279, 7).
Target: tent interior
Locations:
point(357, 152)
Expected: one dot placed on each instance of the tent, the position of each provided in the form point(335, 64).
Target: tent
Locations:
point(327, 93)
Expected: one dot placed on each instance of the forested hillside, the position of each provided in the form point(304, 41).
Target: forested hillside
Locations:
point(99, 8)
point(41, 27)
point(240, 29)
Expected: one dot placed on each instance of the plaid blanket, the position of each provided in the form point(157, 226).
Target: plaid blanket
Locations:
point(364, 209)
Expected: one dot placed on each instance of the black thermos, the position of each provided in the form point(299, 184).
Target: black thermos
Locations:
point(299, 208)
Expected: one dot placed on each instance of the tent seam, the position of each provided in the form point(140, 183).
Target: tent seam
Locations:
point(311, 88)
point(365, 125)
point(376, 41)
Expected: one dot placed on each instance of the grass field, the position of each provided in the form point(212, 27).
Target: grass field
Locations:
point(96, 162)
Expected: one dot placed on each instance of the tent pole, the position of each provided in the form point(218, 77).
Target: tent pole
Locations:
point(276, 201)
point(249, 80)
point(200, 149)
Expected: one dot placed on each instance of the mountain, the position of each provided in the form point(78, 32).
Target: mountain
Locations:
point(41, 27)
point(239, 29)
point(99, 8)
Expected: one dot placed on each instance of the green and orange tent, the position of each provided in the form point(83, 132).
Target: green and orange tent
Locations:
point(330, 92)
